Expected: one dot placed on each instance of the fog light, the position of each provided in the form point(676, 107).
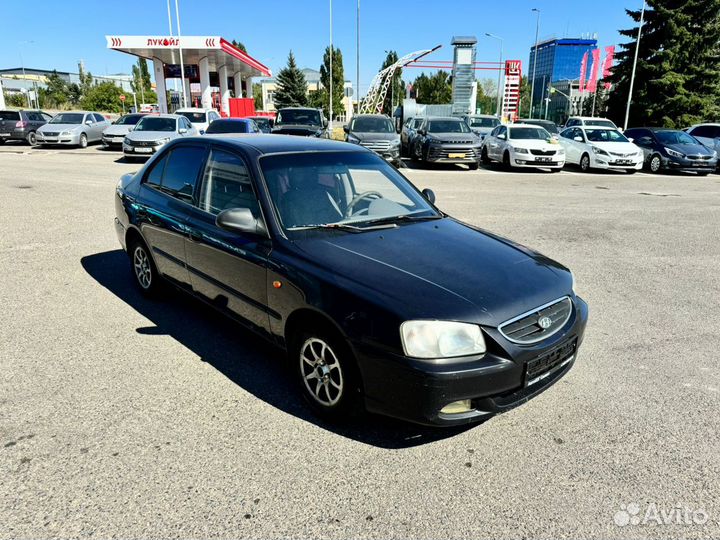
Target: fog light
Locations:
point(520, 161)
point(457, 407)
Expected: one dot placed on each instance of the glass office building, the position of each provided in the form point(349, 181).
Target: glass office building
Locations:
point(557, 60)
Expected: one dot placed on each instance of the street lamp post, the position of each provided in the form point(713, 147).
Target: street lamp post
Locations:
point(330, 111)
point(357, 58)
point(632, 76)
point(532, 86)
point(500, 70)
point(182, 64)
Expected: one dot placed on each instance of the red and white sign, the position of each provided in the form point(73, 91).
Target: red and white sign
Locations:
point(583, 71)
point(592, 82)
point(607, 65)
point(511, 97)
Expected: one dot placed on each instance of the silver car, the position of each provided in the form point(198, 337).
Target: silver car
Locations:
point(152, 132)
point(75, 128)
point(114, 135)
point(481, 124)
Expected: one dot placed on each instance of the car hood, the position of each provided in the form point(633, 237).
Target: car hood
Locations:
point(117, 129)
point(296, 129)
point(617, 147)
point(457, 138)
point(440, 269)
point(58, 127)
point(534, 144)
point(373, 136)
point(481, 130)
point(690, 149)
point(150, 135)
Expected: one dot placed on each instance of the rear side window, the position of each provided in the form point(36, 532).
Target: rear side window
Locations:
point(9, 115)
point(154, 177)
point(181, 170)
point(99, 117)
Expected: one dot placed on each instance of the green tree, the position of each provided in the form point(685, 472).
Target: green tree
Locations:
point(103, 97)
point(524, 104)
point(257, 96)
point(485, 102)
point(338, 83)
point(141, 83)
point(86, 80)
point(56, 93)
point(435, 89)
point(239, 45)
point(677, 81)
point(396, 91)
point(291, 88)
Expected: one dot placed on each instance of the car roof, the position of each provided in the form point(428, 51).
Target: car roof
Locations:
point(173, 116)
point(589, 118)
point(194, 109)
point(247, 119)
point(299, 108)
point(706, 124)
point(444, 118)
point(482, 116)
point(524, 125)
point(272, 144)
point(370, 116)
point(530, 120)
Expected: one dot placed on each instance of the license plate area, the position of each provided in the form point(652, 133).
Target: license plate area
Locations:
point(543, 159)
point(4, 134)
point(143, 150)
point(540, 367)
point(623, 161)
point(456, 156)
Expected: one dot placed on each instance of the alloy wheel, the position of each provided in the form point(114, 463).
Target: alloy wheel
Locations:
point(141, 265)
point(585, 162)
point(83, 141)
point(655, 164)
point(321, 372)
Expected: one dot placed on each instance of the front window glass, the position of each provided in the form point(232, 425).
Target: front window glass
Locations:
point(447, 126)
point(306, 117)
point(129, 120)
point(195, 117)
point(371, 125)
point(226, 184)
point(351, 188)
point(483, 122)
point(68, 118)
point(605, 135)
point(537, 133)
point(153, 123)
point(674, 137)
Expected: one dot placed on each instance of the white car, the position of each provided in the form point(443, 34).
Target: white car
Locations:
point(200, 118)
point(601, 148)
point(589, 121)
point(523, 145)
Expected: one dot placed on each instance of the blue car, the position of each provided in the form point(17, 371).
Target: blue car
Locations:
point(673, 150)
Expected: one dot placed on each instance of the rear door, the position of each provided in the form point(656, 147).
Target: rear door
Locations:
point(228, 269)
point(164, 203)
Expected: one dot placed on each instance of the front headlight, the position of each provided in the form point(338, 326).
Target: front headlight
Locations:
point(162, 141)
point(572, 286)
point(674, 153)
point(441, 339)
point(65, 133)
point(395, 143)
point(714, 154)
point(126, 141)
point(520, 150)
point(599, 151)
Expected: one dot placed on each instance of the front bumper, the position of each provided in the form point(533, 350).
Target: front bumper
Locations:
point(689, 165)
point(440, 153)
point(546, 162)
point(611, 162)
point(16, 134)
point(416, 391)
point(72, 139)
point(113, 142)
point(141, 151)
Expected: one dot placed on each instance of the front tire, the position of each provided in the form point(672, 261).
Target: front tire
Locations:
point(506, 161)
point(585, 163)
point(484, 156)
point(83, 141)
point(654, 164)
point(631, 171)
point(146, 275)
point(473, 166)
point(326, 372)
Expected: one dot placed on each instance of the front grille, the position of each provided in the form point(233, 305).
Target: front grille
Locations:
point(700, 157)
point(542, 152)
point(51, 133)
point(143, 143)
point(440, 152)
point(458, 142)
point(376, 146)
point(550, 360)
point(620, 154)
point(526, 327)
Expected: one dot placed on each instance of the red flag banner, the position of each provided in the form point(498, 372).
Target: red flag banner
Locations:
point(583, 72)
point(592, 81)
point(607, 64)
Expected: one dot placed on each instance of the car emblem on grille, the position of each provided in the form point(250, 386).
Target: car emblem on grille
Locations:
point(544, 322)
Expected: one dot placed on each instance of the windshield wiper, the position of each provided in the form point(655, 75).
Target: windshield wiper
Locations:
point(338, 226)
point(403, 217)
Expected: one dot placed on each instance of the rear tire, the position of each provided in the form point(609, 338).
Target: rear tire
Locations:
point(326, 372)
point(31, 138)
point(146, 275)
point(2, 141)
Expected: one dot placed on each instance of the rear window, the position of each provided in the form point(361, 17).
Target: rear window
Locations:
point(195, 117)
point(483, 122)
point(129, 120)
point(603, 123)
point(228, 126)
point(9, 115)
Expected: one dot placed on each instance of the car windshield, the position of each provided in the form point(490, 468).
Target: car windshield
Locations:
point(674, 137)
point(547, 126)
point(371, 125)
point(262, 123)
point(340, 189)
point(300, 116)
point(228, 126)
point(194, 117)
point(153, 123)
point(483, 122)
point(536, 133)
point(68, 118)
point(604, 123)
point(605, 135)
point(447, 126)
point(129, 119)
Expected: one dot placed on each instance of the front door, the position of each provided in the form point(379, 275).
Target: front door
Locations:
point(228, 269)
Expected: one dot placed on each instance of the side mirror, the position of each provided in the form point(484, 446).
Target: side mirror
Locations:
point(240, 220)
point(130, 128)
point(182, 131)
point(422, 132)
point(429, 194)
point(88, 122)
point(633, 140)
point(502, 137)
point(202, 131)
point(346, 129)
point(578, 139)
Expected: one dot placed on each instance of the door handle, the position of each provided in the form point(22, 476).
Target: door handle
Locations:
point(195, 236)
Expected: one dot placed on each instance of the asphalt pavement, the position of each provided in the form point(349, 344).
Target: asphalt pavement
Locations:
point(130, 418)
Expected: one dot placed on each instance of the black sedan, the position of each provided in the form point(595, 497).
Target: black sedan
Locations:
point(377, 296)
point(673, 150)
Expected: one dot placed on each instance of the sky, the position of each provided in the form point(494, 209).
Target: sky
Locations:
point(65, 32)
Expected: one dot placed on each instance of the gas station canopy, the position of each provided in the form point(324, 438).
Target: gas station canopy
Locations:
point(200, 56)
